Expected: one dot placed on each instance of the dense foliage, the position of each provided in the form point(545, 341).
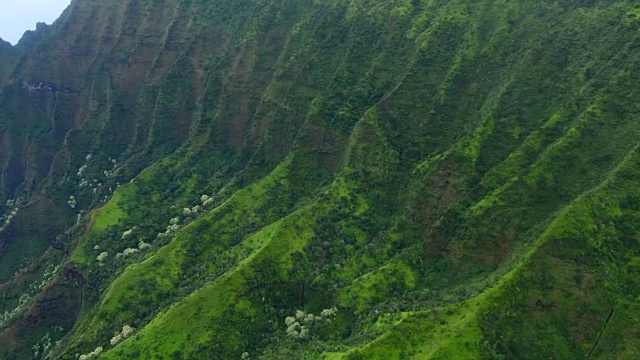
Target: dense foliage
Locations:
point(340, 179)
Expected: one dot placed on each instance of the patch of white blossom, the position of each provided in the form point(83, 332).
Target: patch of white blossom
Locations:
point(329, 312)
point(82, 169)
point(125, 333)
point(94, 183)
point(128, 232)
point(8, 316)
point(47, 277)
point(188, 212)
point(130, 251)
point(27, 297)
point(172, 229)
point(95, 353)
point(8, 218)
point(206, 200)
point(103, 255)
point(79, 217)
point(298, 325)
point(43, 346)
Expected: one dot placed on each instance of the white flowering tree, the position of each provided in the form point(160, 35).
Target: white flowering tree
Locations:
point(126, 332)
point(301, 325)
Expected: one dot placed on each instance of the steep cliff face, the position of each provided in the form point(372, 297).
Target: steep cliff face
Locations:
point(337, 179)
point(8, 61)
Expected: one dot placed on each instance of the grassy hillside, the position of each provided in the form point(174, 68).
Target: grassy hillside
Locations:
point(322, 180)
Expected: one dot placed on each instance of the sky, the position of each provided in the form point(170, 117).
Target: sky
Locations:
point(18, 16)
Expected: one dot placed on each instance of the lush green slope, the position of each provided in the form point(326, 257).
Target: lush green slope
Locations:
point(429, 179)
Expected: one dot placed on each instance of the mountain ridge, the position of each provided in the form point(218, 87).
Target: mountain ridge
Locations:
point(454, 179)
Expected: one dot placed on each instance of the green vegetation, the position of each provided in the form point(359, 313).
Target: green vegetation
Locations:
point(340, 179)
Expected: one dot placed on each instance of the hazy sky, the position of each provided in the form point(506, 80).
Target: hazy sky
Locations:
point(18, 16)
